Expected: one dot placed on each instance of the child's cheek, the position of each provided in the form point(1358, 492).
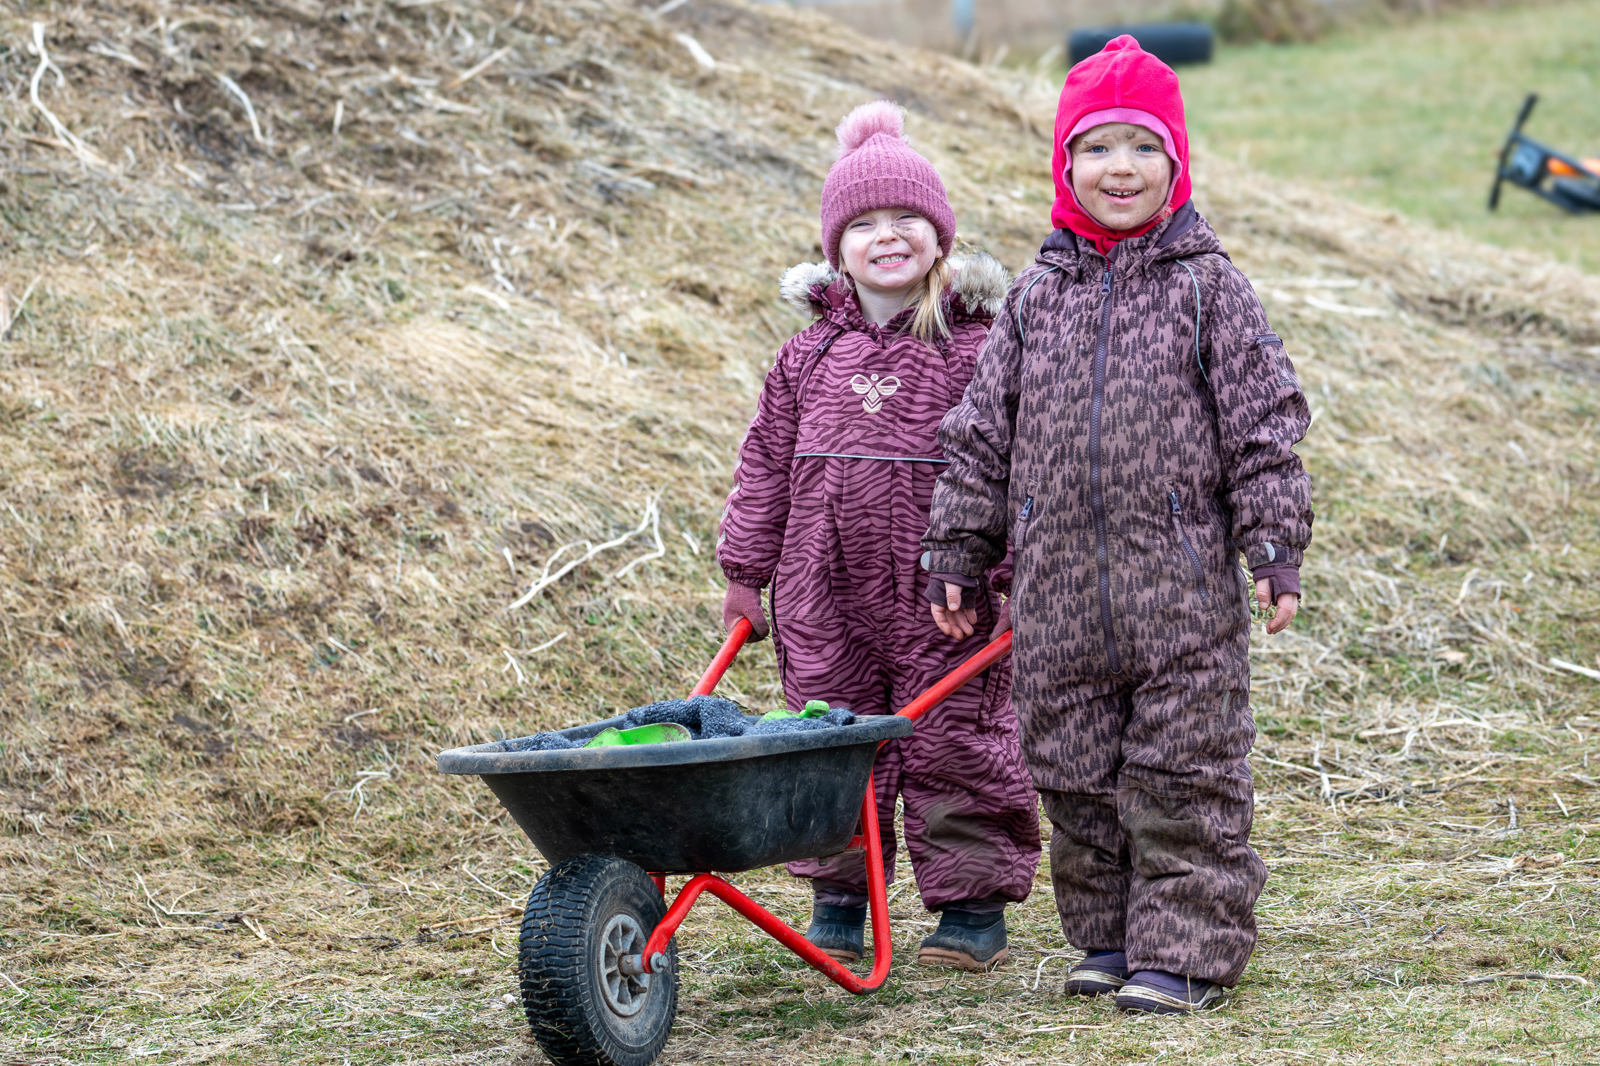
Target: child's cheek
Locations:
point(1082, 188)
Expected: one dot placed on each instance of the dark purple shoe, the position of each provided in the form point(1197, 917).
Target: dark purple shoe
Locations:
point(1097, 973)
point(1159, 992)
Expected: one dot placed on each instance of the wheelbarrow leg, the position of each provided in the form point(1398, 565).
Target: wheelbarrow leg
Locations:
point(877, 889)
point(775, 927)
point(653, 955)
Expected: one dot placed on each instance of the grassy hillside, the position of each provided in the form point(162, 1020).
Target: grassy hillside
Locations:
point(331, 329)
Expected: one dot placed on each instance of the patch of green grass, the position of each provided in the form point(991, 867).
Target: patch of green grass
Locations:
point(1412, 118)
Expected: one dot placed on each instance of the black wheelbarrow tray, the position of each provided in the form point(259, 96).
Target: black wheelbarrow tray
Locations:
point(597, 955)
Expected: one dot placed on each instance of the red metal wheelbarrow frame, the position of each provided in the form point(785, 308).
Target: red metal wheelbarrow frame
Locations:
point(869, 838)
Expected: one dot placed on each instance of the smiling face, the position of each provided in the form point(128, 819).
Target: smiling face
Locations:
point(888, 252)
point(1120, 173)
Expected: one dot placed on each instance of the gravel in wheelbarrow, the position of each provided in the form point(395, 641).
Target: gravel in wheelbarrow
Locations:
point(724, 802)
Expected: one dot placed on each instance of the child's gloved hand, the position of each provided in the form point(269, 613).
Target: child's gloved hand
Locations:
point(954, 604)
point(744, 601)
point(1283, 605)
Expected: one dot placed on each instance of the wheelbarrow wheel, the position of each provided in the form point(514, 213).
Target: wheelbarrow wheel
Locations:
point(584, 928)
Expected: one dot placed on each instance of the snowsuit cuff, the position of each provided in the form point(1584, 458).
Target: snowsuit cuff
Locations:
point(744, 575)
point(953, 562)
point(1266, 553)
point(936, 589)
point(988, 905)
point(1284, 578)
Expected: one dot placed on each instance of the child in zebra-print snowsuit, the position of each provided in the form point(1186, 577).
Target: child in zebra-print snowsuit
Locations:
point(829, 505)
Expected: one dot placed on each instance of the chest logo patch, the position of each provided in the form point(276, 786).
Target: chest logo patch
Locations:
point(873, 390)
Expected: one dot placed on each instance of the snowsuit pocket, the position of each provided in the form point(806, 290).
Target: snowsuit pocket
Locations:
point(994, 709)
point(1271, 347)
point(1019, 540)
point(1191, 558)
point(1019, 532)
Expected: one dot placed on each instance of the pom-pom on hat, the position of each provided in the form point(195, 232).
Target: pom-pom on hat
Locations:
point(877, 168)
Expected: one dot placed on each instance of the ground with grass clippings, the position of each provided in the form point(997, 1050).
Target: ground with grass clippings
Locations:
point(333, 330)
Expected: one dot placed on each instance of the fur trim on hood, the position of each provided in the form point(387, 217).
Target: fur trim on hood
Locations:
point(979, 281)
point(800, 281)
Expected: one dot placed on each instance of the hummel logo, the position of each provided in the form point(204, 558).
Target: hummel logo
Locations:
point(874, 391)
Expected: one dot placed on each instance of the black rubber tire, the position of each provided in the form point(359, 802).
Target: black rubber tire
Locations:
point(1171, 42)
point(580, 1006)
point(1577, 194)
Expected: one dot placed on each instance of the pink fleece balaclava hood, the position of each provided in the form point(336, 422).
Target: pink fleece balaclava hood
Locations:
point(1120, 83)
point(877, 168)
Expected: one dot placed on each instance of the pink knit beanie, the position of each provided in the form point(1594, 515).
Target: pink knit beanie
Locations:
point(876, 168)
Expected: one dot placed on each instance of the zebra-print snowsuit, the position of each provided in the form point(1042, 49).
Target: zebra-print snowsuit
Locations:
point(829, 505)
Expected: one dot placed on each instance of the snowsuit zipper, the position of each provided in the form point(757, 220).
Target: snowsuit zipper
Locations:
point(1022, 525)
point(1188, 548)
point(1097, 499)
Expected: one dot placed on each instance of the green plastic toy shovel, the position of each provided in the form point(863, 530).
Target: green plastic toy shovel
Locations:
point(661, 733)
point(812, 709)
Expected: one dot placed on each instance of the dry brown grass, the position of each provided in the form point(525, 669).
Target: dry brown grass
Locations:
point(290, 421)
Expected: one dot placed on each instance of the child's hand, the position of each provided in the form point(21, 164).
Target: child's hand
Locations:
point(954, 620)
point(1288, 604)
point(744, 601)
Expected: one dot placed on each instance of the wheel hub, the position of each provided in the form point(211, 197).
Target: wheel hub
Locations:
point(625, 991)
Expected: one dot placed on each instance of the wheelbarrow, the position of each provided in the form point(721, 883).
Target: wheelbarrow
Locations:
point(597, 954)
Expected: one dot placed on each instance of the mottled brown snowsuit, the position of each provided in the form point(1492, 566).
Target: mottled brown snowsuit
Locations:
point(1129, 429)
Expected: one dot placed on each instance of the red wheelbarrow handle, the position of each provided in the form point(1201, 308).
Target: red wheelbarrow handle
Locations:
point(719, 666)
point(996, 649)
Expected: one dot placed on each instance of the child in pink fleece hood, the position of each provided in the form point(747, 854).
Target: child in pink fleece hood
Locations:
point(1129, 431)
